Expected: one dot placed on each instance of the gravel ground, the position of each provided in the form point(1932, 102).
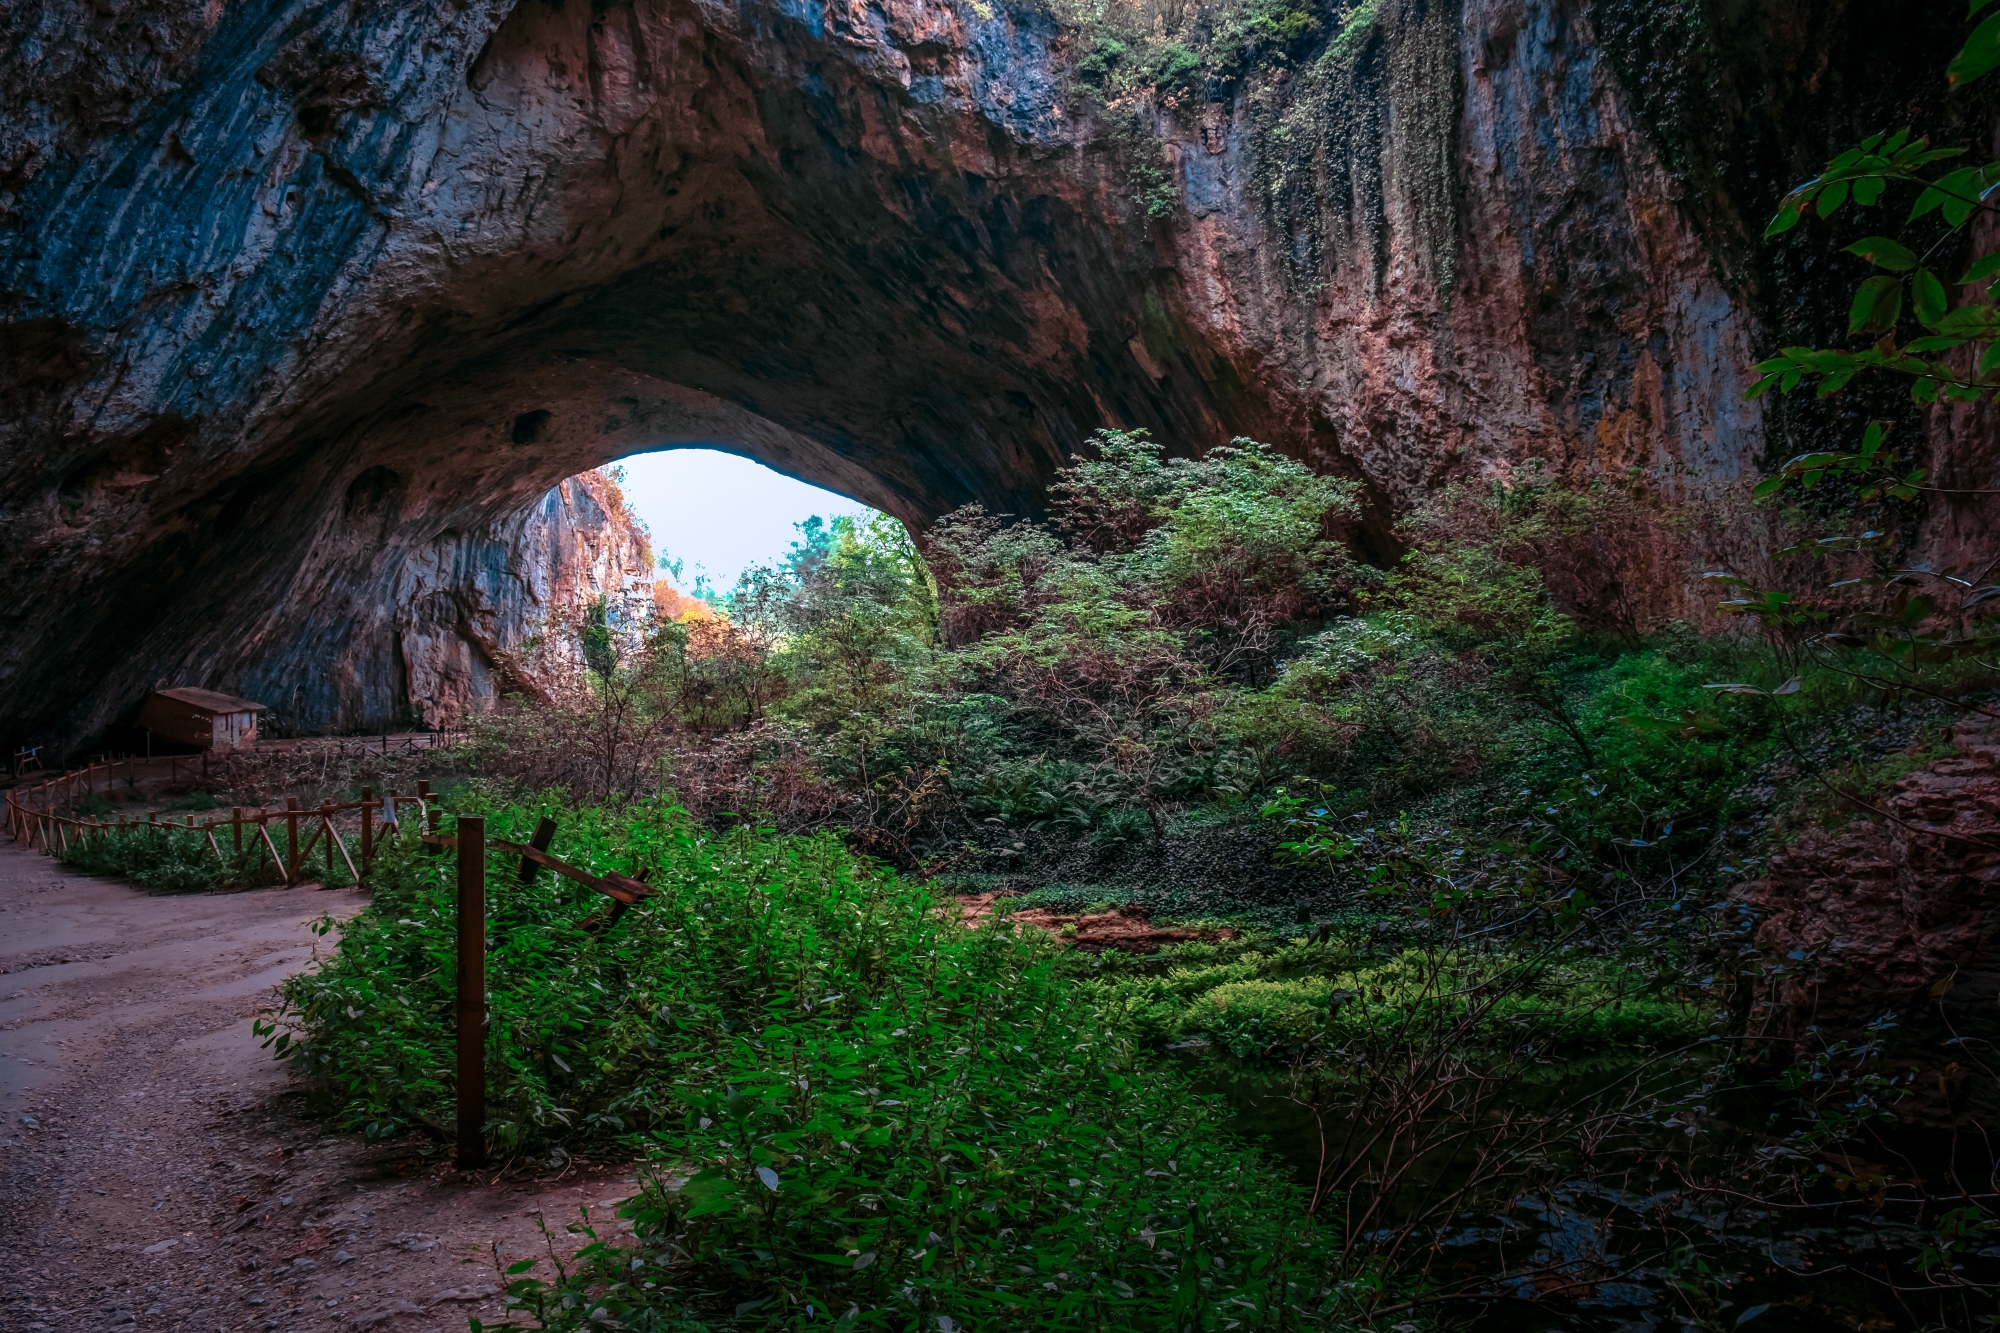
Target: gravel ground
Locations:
point(157, 1170)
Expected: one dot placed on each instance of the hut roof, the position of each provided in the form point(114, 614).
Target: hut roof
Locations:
point(208, 701)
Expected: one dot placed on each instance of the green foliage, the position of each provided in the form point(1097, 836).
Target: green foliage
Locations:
point(1252, 1009)
point(853, 1103)
point(1864, 177)
point(1851, 602)
point(600, 650)
point(166, 861)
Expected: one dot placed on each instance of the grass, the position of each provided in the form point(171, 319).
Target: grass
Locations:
point(854, 1108)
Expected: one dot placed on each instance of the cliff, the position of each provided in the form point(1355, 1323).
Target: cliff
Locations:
point(299, 294)
point(446, 642)
point(465, 605)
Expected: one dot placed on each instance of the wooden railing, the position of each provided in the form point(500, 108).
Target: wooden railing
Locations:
point(45, 817)
point(35, 817)
point(364, 747)
point(469, 1042)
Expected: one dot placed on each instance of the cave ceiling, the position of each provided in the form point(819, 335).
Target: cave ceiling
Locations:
point(294, 291)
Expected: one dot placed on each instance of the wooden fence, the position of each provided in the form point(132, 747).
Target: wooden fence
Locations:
point(35, 815)
point(45, 817)
point(365, 747)
point(470, 843)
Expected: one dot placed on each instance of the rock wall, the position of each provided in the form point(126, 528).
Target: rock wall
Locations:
point(297, 292)
point(447, 641)
point(1895, 918)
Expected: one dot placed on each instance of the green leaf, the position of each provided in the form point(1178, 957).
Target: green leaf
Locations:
point(1831, 198)
point(1883, 252)
point(1938, 344)
point(719, 1204)
point(1983, 268)
point(1968, 321)
point(1972, 12)
point(1979, 55)
point(1956, 192)
point(1767, 487)
point(1876, 306)
point(1787, 218)
point(1990, 358)
point(1928, 297)
point(520, 1267)
point(1868, 189)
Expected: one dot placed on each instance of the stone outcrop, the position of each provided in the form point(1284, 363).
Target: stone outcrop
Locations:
point(466, 604)
point(448, 640)
point(1895, 918)
point(296, 294)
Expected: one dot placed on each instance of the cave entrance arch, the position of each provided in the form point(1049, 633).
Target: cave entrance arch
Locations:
point(272, 371)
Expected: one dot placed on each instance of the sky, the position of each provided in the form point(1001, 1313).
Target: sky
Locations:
point(719, 513)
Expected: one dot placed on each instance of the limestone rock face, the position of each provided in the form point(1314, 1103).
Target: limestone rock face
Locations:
point(464, 607)
point(1896, 918)
point(295, 295)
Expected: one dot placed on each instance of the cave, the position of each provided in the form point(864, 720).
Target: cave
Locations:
point(307, 305)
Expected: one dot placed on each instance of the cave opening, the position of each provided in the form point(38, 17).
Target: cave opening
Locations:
point(713, 514)
point(664, 534)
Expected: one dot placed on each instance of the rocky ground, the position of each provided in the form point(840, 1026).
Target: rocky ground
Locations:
point(157, 1170)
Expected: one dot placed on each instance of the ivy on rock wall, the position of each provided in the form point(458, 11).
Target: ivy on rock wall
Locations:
point(1352, 109)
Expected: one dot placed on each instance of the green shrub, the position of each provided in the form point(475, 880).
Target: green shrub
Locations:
point(167, 861)
point(1268, 1002)
point(878, 1113)
point(1252, 1017)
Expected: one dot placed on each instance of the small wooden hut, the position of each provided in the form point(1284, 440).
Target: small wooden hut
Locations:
point(188, 716)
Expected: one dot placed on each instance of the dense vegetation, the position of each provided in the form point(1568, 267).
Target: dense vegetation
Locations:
point(1181, 640)
point(865, 1108)
point(1517, 972)
point(855, 1104)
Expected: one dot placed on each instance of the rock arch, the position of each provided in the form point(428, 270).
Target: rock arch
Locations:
point(258, 259)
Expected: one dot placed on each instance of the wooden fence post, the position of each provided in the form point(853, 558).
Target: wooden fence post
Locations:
point(236, 826)
point(291, 841)
point(367, 829)
point(545, 833)
point(471, 997)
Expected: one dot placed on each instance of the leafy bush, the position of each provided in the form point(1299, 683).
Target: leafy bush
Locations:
point(175, 862)
point(1258, 1001)
point(879, 1113)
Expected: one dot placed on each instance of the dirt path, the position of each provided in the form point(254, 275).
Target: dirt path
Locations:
point(156, 1170)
